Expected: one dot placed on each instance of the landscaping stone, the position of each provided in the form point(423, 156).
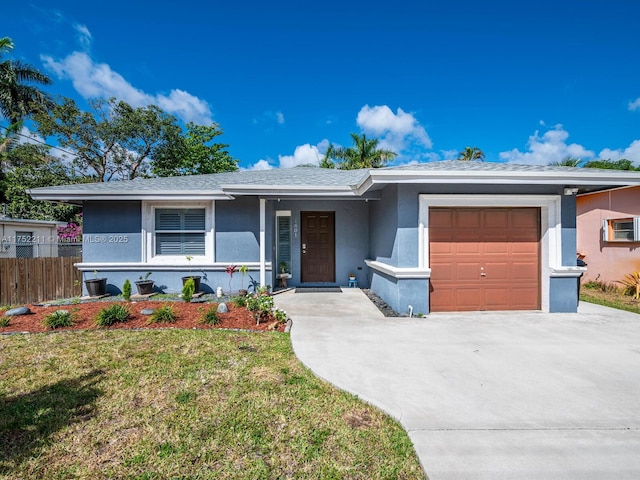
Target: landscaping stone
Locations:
point(222, 308)
point(14, 312)
point(147, 311)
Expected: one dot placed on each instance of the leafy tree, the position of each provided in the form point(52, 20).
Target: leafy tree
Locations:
point(364, 154)
point(622, 164)
point(567, 162)
point(18, 97)
point(194, 153)
point(29, 166)
point(471, 153)
point(114, 140)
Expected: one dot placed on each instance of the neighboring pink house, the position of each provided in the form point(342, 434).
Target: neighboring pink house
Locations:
point(608, 232)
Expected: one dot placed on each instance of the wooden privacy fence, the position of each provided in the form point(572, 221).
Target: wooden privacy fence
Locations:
point(32, 280)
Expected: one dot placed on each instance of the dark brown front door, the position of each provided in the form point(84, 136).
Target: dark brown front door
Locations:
point(318, 247)
point(484, 259)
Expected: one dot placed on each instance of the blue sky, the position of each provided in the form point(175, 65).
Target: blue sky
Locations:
point(527, 82)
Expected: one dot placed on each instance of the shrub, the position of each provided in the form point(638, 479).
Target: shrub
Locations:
point(164, 314)
point(631, 282)
point(188, 290)
point(280, 315)
point(605, 287)
point(4, 322)
point(113, 314)
point(239, 301)
point(126, 290)
point(58, 319)
point(211, 317)
point(260, 305)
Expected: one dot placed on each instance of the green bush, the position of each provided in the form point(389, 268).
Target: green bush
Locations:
point(112, 314)
point(211, 317)
point(239, 301)
point(164, 314)
point(188, 290)
point(4, 322)
point(58, 319)
point(126, 290)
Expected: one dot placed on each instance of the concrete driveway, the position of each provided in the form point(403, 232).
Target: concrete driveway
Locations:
point(487, 395)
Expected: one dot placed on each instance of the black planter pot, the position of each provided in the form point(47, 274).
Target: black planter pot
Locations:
point(196, 282)
point(145, 287)
point(96, 286)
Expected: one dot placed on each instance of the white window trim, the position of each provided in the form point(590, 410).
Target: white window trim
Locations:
point(550, 229)
point(607, 225)
point(148, 235)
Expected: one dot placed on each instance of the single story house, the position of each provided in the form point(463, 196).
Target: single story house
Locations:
point(438, 236)
point(23, 238)
point(608, 232)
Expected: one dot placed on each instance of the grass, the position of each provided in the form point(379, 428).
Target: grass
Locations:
point(162, 404)
point(609, 295)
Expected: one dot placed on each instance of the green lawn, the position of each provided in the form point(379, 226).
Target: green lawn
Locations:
point(162, 404)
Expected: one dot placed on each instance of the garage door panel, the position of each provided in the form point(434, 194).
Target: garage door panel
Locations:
point(503, 241)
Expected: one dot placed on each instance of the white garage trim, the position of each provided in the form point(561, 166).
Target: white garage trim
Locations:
point(550, 227)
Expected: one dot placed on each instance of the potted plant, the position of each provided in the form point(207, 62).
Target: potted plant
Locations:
point(243, 270)
point(283, 267)
point(196, 278)
point(96, 287)
point(352, 276)
point(144, 285)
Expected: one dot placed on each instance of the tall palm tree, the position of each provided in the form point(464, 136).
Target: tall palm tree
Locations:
point(18, 97)
point(567, 162)
point(364, 154)
point(471, 153)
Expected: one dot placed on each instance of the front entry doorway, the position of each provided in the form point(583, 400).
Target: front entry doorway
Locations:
point(318, 247)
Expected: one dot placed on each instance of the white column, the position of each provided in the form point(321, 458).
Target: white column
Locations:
point(263, 247)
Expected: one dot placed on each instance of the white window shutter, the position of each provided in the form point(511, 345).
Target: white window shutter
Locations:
point(636, 229)
point(605, 230)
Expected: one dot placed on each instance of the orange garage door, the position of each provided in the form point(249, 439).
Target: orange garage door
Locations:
point(484, 259)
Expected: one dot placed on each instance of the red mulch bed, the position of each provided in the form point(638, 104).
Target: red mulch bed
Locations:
point(189, 316)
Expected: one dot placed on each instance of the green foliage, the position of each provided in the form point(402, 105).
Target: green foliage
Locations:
point(4, 322)
point(112, 141)
point(364, 154)
point(261, 305)
point(471, 154)
point(622, 164)
point(58, 319)
point(126, 290)
point(211, 317)
point(113, 314)
point(239, 301)
point(188, 289)
point(567, 162)
point(194, 153)
point(606, 287)
point(164, 314)
point(279, 315)
point(631, 282)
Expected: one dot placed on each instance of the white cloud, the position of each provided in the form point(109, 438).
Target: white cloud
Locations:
point(548, 148)
point(632, 152)
point(280, 117)
point(303, 155)
point(635, 105)
point(93, 80)
point(396, 131)
point(261, 165)
point(84, 36)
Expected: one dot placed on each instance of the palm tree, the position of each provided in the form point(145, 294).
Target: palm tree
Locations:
point(471, 153)
point(19, 99)
point(364, 154)
point(567, 162)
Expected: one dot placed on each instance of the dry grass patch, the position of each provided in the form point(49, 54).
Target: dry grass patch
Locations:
point(183, 404)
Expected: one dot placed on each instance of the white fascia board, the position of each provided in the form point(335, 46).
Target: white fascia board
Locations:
point(128, 195)
point(399, 272)
point(286, 191)
point(163, 267)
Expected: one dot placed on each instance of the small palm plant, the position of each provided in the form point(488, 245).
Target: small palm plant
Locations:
point(632, 282)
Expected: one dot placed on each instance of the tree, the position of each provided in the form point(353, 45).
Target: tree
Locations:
point(364, 154)
point(194, 154)
point(622, 164)
point(29, 166)
point(18, 97)
point(471, 153)
point(114, 141)
point(567, 162)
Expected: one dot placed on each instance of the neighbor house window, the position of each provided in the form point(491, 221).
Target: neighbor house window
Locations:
point(180, 231)
point(621, 229)
point(283, 240)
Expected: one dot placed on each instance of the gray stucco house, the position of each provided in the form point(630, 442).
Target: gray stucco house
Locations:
point(439, 236)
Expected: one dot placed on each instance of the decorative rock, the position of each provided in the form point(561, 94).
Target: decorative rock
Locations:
point(222, 308)
point(147, 311)
point(14, 312)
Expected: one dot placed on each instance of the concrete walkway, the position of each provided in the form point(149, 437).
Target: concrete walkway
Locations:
point(521, 395)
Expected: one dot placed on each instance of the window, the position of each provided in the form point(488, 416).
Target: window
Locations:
point(180, 231)
point(283, 240)
point(621, 229)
